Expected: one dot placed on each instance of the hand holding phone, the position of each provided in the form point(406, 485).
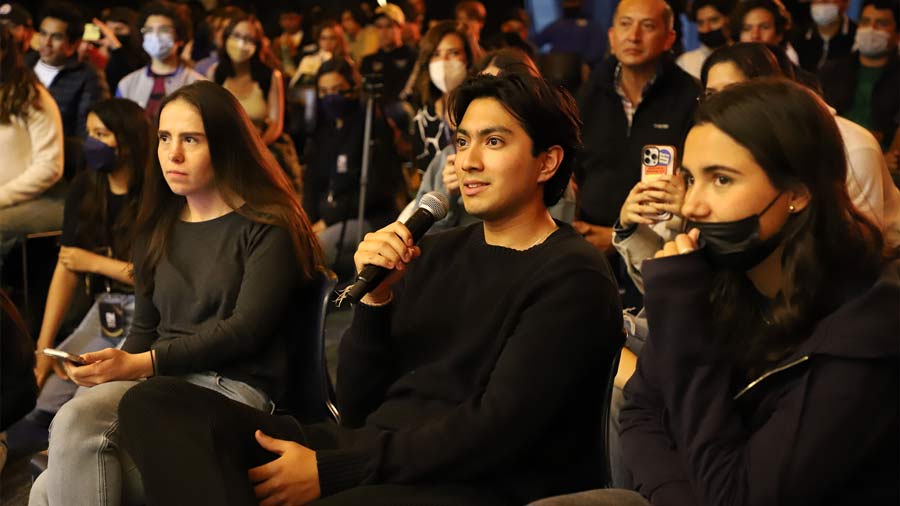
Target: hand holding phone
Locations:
point(64, 355)
point(657, 162)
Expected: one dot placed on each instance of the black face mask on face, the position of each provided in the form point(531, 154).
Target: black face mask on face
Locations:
point(713, 39)
point(736, 244)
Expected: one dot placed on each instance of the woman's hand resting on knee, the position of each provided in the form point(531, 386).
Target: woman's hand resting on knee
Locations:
point(110, 364)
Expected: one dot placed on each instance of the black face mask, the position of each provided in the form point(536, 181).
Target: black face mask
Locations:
point(736, 244)
point(713, 39)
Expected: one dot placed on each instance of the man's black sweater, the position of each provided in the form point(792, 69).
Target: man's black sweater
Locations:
point(488, 368)
point(610, 164)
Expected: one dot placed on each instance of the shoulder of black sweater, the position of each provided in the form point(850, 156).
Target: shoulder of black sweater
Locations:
point(564, 249)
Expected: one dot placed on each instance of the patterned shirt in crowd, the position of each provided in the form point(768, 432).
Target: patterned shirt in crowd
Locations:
point(626, 103)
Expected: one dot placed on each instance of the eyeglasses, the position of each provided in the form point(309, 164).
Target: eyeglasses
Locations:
point(246, 39)
point(167, 30)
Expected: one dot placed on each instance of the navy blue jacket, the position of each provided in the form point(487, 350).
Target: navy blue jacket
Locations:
point(76, 88)
point(820, 428)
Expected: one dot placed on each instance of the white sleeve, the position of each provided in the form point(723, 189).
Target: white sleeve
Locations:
point(865, 169)
point(46, 166)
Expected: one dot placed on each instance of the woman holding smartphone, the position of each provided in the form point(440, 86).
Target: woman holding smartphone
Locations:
point(95, 254)
point(770, 375)
point(223, 249)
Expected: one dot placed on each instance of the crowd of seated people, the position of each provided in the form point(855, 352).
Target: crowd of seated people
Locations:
point(571, 332)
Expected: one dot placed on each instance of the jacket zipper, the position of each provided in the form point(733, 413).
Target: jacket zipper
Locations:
point(770, 373)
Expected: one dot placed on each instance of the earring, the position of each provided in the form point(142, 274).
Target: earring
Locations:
point(791, 208)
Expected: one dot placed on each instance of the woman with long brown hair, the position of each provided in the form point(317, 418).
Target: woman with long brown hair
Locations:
point(445, 56)
point(31, 150)
point(223, 251)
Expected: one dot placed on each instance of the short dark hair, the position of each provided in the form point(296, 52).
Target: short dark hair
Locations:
point(723, 6)
point(183, 29)
point(65, 11)
point(890, 5)
point(778, 10)
point(340, 66)
point(549, 116)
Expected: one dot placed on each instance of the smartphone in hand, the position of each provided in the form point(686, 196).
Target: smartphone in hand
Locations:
point(64, 355)
point(657, 161)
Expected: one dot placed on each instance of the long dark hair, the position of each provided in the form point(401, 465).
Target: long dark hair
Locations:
point(259, 71)
point(243, 168)
point(794, 138)
point(427, 93)
point(753, 59)
point(129, 124)
point(18, 84)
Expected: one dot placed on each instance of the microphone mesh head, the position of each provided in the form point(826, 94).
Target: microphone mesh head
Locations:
point(435, 203)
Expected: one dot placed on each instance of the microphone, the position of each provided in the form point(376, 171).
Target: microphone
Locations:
point(433, 207)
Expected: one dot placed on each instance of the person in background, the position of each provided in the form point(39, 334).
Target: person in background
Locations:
point(241, 70)
point(392, 64)
point(638, 96)
point(31, 150)
point(360, 37)
point(75, 85)
point(766, 21)
point(97, 239)
point(217, 20)
point(335, 161)
point(330, 37)
point(164, 32)
point(711, 17)
point(443, 64)
point(290, 46)
point(471, 13)
point(829, 38)
point(18, 20)
point(122, 43)
point(517, 21)
point(863, 87)
point(574, 33)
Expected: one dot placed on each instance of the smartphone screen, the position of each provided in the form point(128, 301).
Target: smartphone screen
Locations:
point(91, 32)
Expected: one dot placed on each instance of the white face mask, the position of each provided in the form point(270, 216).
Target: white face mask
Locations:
point(447, 75)
point(159, 45)
point(239, 50)
point(870, 42)
point(824, 14)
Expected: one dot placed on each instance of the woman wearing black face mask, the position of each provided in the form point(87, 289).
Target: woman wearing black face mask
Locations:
point(770, 375)
point(331, 181)
point(96, 248)
point(711, 17)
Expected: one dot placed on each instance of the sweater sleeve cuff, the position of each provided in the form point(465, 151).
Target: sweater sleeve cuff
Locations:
point(341, 469)
point(371, 322)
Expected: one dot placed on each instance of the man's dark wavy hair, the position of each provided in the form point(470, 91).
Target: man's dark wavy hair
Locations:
point(549, 116)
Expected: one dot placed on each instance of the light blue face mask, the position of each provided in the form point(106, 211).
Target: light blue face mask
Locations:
point(159, 45)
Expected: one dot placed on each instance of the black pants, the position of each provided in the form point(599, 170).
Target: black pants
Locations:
point(194, 446)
